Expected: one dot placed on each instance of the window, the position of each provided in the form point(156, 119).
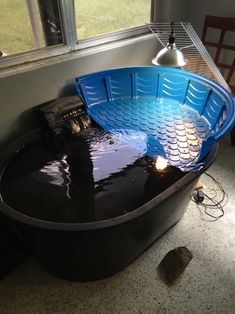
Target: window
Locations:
point(28, 28)
point(28, 24)
point(95, 17)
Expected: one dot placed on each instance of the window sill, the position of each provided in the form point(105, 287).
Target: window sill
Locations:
point(70, 55)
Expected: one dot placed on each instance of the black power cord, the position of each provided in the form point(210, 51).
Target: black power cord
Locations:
point(199, 197)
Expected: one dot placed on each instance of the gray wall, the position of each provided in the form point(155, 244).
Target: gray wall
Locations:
point(193, 11)
point(28, 88)
point(198, 9)
point(171, 10)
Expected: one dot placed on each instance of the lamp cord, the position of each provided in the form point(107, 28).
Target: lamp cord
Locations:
point(214, 203)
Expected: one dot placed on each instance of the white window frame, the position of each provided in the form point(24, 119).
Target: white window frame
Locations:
point(71, 40)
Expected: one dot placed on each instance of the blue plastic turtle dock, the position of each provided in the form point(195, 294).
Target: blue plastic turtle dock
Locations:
point(161, 111)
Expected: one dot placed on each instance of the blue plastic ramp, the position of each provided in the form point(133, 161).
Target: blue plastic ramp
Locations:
point(180, 114)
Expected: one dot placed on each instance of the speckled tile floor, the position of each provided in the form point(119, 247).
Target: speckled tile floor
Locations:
point(206, 286)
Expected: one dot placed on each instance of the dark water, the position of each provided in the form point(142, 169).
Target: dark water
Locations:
point(95, 176)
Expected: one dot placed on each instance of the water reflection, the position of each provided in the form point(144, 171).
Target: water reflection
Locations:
point(92, 176)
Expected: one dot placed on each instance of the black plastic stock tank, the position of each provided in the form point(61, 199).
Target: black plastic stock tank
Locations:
point(86, 249)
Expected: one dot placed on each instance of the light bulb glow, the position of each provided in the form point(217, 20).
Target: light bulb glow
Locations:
point(160, 163)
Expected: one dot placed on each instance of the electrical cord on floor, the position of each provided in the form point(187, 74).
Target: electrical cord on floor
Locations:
point(199, 197)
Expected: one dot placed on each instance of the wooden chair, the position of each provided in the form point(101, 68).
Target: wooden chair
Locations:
point(224, 24)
